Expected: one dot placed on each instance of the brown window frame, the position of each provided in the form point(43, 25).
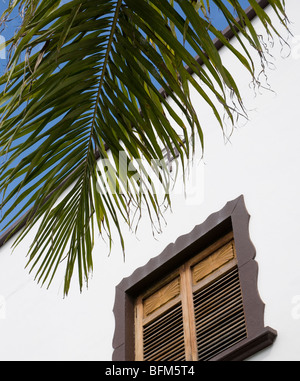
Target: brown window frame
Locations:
point(233, 217)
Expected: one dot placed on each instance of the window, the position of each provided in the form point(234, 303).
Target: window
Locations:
point(197, 300)
point(196, 312)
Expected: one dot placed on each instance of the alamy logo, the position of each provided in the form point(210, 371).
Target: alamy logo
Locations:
point(145, 177)
point(2, 48)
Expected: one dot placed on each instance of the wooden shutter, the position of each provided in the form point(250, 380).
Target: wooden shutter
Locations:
point(196, 312)
point(164, 338)
point(159, 334)
point(219, 315)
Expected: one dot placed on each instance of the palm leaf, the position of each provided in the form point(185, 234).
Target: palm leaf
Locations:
point(82, 77)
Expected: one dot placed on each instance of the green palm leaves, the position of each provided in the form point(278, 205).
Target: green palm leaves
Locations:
point(82, 84)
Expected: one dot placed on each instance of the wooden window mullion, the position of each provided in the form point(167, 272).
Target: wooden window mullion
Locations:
point(191, 350)
point(139, 345)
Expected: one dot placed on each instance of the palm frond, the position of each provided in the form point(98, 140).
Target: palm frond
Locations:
point(82, 77)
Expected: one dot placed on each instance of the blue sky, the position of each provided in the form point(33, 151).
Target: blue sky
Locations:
point(11, 26)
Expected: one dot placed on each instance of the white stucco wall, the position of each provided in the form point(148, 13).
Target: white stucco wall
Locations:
point(262, 162)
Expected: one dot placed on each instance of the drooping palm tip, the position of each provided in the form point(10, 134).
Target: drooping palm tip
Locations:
point(80, 103)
